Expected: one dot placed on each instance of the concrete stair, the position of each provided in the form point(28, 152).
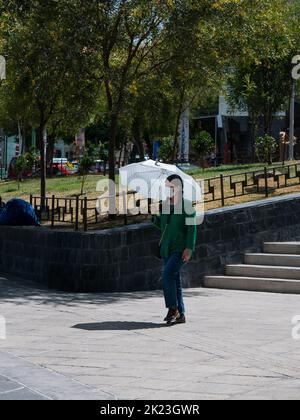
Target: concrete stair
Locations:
point(277, 270)
point(282, 248)
point(273, 260)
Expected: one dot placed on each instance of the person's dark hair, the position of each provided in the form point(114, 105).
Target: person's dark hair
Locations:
point(175, 177)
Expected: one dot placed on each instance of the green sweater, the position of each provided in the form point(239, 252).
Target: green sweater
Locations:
point(178, 235)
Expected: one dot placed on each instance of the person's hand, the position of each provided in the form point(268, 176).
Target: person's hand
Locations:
point(186, 257)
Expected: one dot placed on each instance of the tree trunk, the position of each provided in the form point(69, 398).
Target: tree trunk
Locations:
point(136, 129)
point(114, 116)
point(180, 110)
point(112, 166)
point(254, 123)
point(41, 142)
point(268, 122)
point(20, 138)
point(51, 142)
point(175, 146)
point(149, 145)
point(112, 146)
point(253, 153)
point(125, 151)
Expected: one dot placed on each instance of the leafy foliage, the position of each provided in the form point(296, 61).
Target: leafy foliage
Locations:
point(260, 79)
point(265, 147)
point(21, 165)
point(203, 144)
point(166, 148)
point(32, 157)
point(136, 65)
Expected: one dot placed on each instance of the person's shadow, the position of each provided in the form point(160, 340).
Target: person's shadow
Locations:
point(118, 326)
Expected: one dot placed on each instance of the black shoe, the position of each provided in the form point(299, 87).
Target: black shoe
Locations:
point(168, 316)
point(181, 319)
point(174, 315)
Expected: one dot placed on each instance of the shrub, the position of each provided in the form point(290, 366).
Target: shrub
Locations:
point(203, 145)
point(166, 148)
point(265, 147)
point(20, 167)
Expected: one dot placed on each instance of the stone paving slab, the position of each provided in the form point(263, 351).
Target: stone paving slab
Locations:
point(14, 391)
point(236, 345)
point(26, 380)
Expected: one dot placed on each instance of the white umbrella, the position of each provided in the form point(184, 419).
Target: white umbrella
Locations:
point(148, 179)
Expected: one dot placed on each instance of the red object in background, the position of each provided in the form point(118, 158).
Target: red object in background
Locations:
point(226, 154)
point(61, 169)
point(11, 172)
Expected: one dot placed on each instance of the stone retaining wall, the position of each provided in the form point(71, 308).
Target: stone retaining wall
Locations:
point(122, 259)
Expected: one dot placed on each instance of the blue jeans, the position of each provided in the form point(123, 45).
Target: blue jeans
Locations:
point(172, 282)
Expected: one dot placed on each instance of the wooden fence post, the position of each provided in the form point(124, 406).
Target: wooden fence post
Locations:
point(222, 190)
point(77, 214)
point(85, 214)
point(53, 211)
point(266, 182)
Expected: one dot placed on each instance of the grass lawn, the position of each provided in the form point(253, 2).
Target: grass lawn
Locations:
point(60, 187)
point(231, 169)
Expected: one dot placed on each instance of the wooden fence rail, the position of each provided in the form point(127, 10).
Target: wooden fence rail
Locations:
point(83, 212)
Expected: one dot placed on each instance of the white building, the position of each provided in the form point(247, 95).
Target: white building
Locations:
point(9, 148)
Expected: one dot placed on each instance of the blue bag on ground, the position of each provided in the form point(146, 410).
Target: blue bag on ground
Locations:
point(18, 213)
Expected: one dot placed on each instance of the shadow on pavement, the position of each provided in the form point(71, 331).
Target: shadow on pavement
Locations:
point(118, 326)
point(18, 291)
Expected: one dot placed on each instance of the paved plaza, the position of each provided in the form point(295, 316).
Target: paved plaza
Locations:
point(236, 345)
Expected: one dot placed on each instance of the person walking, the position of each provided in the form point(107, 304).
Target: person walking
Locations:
point(284, 145)
point(177, 245)
point(285, 141)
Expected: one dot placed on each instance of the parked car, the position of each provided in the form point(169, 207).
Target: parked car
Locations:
point(75, 165)
point(11, 170)
point(62, 167)
point(97, 167)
